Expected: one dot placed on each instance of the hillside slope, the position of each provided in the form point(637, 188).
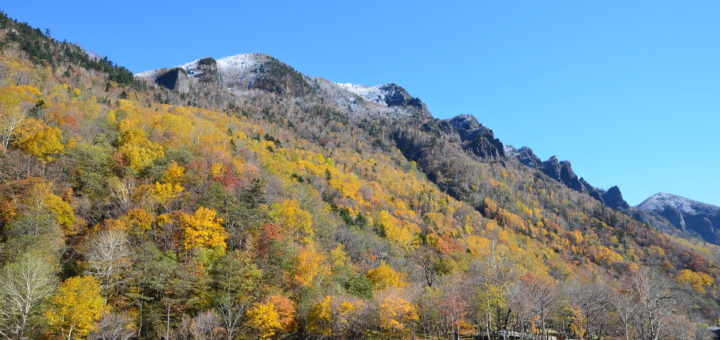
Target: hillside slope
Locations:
point(240, 198)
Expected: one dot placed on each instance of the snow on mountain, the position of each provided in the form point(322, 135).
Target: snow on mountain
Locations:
point(370, 93)
point(660, 201)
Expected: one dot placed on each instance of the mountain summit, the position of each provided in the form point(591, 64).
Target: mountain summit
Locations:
point(687, 215)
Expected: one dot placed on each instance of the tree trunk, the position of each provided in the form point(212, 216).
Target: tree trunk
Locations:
point(167, 323)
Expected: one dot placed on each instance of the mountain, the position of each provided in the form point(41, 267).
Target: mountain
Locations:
point(689, 216)
point(240, 198)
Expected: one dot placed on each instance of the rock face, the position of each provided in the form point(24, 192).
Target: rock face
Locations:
point(562, 172)
point(395, 95)
point(613, 198)
point(175, 79)
point(687, 215)
point(473, 137)
point(526, 156)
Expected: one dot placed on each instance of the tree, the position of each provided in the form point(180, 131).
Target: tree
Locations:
point(76, 307)
point(384, 276)
point(536, 296)
point(137, 151)
point(203, 229)
point(264, 319)
point(338, 316)
point(624, 309)
point(309, 264)
point(697, 280)
point(296, 221)
point(38, 139)
point(396, 316)
point(272, 317)
point(108, 257)
point(655, 302)
point(113, 326)
point(15, 101)
point(205, 325)
point(24, 285)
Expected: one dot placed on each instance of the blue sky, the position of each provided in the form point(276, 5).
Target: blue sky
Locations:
point(628, 91)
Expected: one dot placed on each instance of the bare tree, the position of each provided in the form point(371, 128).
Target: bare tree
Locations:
point(533, 298)
point(624, 309)
point(231, 314)
point(655, 302)
point(113, 326)
point(108, 256)
point(23, 286)
point(591, 299)
point(205, 326)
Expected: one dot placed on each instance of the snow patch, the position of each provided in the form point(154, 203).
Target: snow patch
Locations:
point(659, 201)
point(370, 93)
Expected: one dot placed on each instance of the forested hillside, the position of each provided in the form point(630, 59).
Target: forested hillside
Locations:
point(280, 209)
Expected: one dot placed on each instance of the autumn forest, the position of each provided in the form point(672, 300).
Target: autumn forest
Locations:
point(129, 210)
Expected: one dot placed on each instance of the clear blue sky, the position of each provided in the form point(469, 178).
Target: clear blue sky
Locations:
point(628, 91)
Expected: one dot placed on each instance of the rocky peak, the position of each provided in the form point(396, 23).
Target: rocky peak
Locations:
point(527, 157)
point(613, 198)
point(395, 95)
point(476, 138)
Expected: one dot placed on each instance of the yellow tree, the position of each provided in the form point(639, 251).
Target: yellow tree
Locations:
point(15, 101)
point(272, 317)
point(292, 218)
point(137, 150)
point(309, 264)
point(337, 316)
point(40, 196)
point(203, 229)
point(697, 280)
point(76, 307)
point(384, 277)
point(38, 139)
point(396, 316)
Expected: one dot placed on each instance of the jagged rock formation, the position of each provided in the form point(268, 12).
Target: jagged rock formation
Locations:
point(687, 215)
point(476, 138)
point(613, 198)
point(562, 172)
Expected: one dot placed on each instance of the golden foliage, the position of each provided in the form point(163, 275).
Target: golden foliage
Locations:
point(396, 316)
point(38, 139)
point(202, 229)
point(293, 219)
point(384, 277)
point(76, 307)
point(697, 280)
point(309, 264)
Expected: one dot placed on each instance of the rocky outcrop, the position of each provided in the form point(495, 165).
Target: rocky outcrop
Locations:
point(174, 79)
point(476, 138)
point(613, 198)
point(527, 157)
point(395, 95)
point(205, 70)
point(562, 172)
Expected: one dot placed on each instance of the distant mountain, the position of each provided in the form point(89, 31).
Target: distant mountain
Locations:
point(688, 216)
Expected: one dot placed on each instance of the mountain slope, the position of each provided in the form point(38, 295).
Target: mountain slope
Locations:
point(240, 198)
point(687, 215)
